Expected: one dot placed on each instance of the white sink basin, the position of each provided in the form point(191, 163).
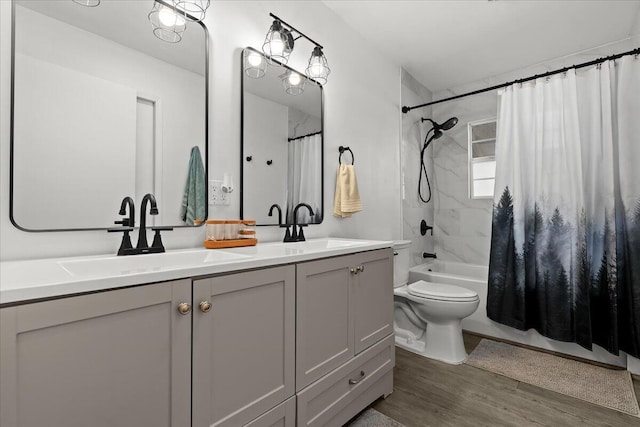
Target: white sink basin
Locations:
point(133, 264)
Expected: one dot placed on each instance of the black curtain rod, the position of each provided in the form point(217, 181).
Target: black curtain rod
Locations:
point(537, 76)
point(304, 136)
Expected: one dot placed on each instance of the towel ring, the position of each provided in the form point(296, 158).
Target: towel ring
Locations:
point(342, 149)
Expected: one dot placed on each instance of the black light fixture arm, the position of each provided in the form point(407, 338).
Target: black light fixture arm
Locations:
point(292, 28)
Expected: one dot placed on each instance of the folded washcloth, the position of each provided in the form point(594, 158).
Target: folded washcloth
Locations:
point(194, 200)
point(347, 199)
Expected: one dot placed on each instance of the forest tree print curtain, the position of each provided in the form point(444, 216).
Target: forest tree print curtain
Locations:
point(565, 244)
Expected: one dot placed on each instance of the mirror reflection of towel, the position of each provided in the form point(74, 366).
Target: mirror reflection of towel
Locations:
point(194, 200)
point(347, 199)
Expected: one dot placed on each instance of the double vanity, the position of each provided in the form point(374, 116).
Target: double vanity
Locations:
point(295, 334)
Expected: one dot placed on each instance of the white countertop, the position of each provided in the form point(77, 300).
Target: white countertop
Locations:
point(45, 278)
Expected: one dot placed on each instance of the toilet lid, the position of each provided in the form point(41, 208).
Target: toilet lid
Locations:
point(440, 291)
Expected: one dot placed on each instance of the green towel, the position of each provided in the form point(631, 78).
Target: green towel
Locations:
point(194, 201)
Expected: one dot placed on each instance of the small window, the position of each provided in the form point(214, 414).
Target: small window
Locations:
point(482, 158)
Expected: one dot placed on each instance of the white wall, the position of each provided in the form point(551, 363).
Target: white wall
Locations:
point(362, 110)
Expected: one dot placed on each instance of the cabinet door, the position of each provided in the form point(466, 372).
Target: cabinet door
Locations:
point(373, 297)
point(116, 358)
point(243, 348)
point(324, 321)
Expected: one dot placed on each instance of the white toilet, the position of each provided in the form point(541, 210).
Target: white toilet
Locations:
point(427, 318)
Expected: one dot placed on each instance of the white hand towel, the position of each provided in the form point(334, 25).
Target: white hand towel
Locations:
point(347, 198)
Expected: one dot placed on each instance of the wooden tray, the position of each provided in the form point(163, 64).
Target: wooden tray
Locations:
point(219, 244)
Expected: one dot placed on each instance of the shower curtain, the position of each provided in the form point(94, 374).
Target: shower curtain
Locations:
point(565, 243)
point(304, 178)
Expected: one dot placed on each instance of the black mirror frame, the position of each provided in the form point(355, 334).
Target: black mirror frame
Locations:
point(11, 137)
point(242, 133)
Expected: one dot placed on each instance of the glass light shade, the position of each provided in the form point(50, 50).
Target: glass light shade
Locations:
point(168, 25)
point(293, 83)
point(255, 65)
point(318, 68)
point(278, 43)
point(88, 3)
point(192, 10)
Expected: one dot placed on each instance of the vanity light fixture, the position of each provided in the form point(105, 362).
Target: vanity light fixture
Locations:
point(293, 82)
point(168, 25)
point(278, 43)
point(88, 3)
point(255, 65)
point(278, 46)
point(192, 10)
point(318, 68)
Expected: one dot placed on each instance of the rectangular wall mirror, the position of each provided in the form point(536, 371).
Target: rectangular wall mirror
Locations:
point(102, 109)
point(282, 142)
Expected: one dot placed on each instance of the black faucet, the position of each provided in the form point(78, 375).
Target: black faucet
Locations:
point(128, 223)
point(131, 221)
point(142, 233)
point(287, 234)
point(429, 255)
point(276, 206)
point(298, 235)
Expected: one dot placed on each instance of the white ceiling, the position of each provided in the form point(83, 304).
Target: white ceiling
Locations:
point(444, 44)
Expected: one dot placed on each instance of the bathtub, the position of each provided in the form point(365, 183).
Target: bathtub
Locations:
point(475, 278)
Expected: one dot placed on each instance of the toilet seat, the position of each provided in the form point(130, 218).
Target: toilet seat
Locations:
point(441, 292)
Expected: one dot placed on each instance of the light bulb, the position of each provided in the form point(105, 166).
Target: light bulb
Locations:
point(294, 79)
point(169, 18)
point(254, 59)
point(277, 47)
point(316, 68)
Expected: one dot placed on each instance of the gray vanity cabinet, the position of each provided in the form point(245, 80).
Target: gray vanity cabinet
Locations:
point(372, 297)
point(324, 319)
point(344, 336)
point(244, 347)
point(344, 305)
point(114, 358)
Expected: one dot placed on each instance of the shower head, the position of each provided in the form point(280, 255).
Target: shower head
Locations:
point(438, 128)
point(449, 123)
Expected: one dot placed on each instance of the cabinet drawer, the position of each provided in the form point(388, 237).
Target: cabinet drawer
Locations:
point(321, 401)
point(283, 415)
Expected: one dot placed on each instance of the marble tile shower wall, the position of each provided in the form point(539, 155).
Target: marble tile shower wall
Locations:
point(462, 230)
point(413, 132)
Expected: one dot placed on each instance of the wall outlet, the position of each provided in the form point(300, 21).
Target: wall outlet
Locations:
point(216, 195)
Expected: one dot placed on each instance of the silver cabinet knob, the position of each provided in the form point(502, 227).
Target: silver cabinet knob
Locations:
point(205, 306)
point(184, 308)
point(360, 268)
point(353, 270)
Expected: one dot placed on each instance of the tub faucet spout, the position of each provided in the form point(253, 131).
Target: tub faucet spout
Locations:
point(429, 255)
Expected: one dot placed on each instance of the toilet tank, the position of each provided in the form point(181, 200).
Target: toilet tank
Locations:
point(401, 262)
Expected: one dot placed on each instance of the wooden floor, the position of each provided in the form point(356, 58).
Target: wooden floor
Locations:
point(432, 393)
